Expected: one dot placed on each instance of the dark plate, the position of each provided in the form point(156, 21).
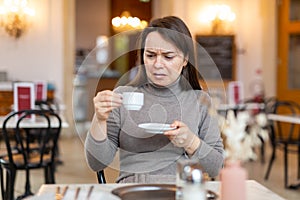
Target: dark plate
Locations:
point(151, 192)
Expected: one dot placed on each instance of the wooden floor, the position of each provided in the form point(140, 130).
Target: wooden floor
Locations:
point(75, 170)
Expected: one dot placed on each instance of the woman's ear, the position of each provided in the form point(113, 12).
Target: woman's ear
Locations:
point(186, 60)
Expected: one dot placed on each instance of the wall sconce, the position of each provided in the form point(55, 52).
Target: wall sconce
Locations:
point(126, 22)
point(14, 17)
point(218, 16)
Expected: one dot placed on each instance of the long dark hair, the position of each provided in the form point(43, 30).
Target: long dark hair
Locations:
point(175, 31)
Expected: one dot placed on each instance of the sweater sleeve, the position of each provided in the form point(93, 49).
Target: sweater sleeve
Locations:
point(211, 150)
point(99, 154)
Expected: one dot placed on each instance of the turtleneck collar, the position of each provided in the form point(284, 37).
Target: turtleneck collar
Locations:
point(174, 88)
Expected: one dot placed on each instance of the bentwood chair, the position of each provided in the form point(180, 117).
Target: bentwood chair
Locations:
point(269, 103)
point(286, 137)
point(20, 155)
point(51, 106)
point(101, 177)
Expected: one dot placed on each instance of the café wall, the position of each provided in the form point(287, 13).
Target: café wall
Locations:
point(39, 54)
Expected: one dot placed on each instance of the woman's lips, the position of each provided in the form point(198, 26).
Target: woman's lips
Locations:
point(159, 75)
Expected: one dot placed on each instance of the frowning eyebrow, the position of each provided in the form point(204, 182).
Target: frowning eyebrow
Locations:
point(155, 52)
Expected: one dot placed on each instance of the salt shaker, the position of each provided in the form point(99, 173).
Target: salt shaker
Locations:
point(193, 187)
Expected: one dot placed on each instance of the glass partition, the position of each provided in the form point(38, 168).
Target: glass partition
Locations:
point(294, 10)
point(294, 61)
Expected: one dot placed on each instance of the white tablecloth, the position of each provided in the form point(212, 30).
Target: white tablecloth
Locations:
point(255, 191)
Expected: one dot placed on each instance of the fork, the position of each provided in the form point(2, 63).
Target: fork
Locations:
point(64, 191)
point(77, 193)
point(57, 193)
point(89, 192)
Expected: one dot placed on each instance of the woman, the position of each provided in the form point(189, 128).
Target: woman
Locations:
point(172, 94)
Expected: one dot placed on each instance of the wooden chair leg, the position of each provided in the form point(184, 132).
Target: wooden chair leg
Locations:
point(49, 174)
point(2, 182)
point(270, 163)
point(101, 177)
point(298, 162)
point(27, 184)
point(285, 166)
point(52, 172)
point(262, 152)
point(46, 175)
point(10, 184)
point(27, 187)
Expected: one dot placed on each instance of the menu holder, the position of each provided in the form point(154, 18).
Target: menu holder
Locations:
point(24, 97)
point(235, 92)
point(40, 90)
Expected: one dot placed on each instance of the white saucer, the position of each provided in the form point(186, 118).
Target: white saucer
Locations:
point(156, 128)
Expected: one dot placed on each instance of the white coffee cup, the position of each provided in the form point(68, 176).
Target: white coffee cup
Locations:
point(133, 100)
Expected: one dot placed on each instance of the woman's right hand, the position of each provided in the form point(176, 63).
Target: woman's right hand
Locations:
point(104, 102)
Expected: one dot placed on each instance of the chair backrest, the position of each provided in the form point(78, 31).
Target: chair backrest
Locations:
point(101, 177)
point(17, 138)
point(284, 130)
point(270, 104)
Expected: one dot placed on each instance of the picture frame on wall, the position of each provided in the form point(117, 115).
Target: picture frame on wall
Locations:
point(216, 57)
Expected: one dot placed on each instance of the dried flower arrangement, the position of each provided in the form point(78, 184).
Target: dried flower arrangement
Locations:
point(243, 131)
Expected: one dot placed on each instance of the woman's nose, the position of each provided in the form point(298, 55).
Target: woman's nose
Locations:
point(158, 62)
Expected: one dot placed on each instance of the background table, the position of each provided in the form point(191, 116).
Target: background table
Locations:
point(37, 123)
point(284, 118)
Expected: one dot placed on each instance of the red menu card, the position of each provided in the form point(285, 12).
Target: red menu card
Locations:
point(24, 96)
point(235, 92)
point(40, 90)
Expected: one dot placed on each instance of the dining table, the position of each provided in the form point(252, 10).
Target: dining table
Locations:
point(294, 119)
point(240, 106)
point(254, 191)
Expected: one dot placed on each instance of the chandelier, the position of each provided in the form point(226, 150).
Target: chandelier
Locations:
point(126, 22)
point(218, 16)
point(14, 17)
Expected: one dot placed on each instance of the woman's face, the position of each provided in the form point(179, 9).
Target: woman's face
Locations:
point(163, 60)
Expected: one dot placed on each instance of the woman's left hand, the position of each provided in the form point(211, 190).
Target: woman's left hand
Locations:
point(182, 136)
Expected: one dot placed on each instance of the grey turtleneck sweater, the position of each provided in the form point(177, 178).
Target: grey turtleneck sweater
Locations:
point(153, 155)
